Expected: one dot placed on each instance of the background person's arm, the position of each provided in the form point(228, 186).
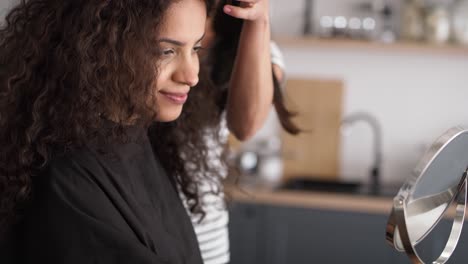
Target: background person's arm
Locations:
point(251, 86)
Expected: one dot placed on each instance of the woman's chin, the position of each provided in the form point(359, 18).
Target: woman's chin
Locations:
point(169, 116)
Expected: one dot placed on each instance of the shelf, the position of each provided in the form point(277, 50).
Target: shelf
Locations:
point(412, 47)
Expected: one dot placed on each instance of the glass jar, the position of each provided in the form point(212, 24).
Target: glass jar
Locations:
point(460, 22)
point(437, 24)
point(412, 20)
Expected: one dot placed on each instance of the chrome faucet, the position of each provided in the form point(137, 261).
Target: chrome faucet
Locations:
point(307, 23)
point(377, 142)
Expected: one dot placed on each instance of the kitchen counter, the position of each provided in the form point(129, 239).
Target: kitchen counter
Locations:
point(314, 200)
point(310, 199)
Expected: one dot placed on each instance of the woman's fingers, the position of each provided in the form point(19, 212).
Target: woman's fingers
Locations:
point(249, 9)
point(247, 13)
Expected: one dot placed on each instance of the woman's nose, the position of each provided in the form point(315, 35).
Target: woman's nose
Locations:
point(187, 72)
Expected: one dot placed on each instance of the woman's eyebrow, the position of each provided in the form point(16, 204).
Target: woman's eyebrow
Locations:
point(171, 41)
point(176, 42)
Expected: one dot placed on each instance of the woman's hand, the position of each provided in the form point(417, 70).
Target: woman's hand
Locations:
point(252, 10)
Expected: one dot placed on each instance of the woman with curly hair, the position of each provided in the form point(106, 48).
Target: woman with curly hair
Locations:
point(90, 166)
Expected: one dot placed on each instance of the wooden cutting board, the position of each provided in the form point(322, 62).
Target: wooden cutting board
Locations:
point(315, 152)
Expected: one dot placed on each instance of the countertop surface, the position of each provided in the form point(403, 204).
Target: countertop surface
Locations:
point(315, 200)
point(312, 199)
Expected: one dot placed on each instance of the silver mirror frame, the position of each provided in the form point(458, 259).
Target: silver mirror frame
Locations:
point(397, 229)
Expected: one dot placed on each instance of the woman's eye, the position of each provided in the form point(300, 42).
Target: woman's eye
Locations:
point(168, 52)
point(197, 48)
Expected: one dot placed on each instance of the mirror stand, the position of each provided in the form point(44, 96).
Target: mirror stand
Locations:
point(437, 184)
point(399, 236)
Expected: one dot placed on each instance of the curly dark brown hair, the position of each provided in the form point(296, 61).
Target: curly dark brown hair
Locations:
point(64, 64)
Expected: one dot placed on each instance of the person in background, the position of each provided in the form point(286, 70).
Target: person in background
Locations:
point(97, 101)
point(246, 68)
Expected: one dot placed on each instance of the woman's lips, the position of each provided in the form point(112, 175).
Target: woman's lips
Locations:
point(177, 98)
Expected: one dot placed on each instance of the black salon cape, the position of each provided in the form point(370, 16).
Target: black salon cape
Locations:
point(93, 207)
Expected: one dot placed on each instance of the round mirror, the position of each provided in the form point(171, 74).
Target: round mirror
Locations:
point(438, 181)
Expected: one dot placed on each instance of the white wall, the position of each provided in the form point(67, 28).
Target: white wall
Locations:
point(415, 97)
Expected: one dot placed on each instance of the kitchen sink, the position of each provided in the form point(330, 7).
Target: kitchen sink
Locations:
point(334, 186)
point(303, 184)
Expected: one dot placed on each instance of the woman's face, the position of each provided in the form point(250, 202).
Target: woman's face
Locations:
point(180, 40)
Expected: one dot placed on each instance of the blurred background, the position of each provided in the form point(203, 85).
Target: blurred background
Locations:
point(374, 83)
point(403, 62)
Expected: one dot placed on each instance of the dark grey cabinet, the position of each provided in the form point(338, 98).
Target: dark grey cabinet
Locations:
point(461, 253)
point(277, 235)
point(246, 233)
point(318, 236)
